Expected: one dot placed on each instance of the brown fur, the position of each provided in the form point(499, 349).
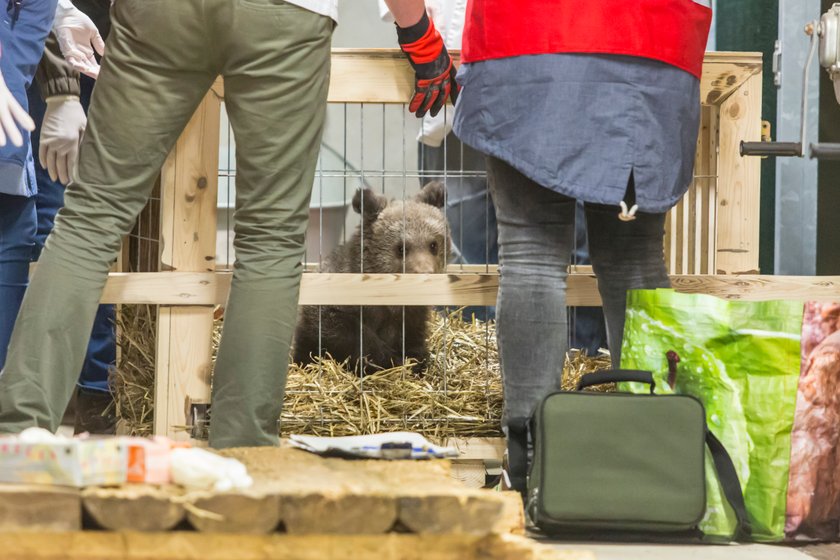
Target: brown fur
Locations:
point(415, 228)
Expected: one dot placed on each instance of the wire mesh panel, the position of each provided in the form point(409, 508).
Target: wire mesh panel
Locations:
point(452, 384)
point(133, 377)
point(141, 250)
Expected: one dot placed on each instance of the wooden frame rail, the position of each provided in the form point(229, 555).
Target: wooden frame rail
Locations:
point(190, 289)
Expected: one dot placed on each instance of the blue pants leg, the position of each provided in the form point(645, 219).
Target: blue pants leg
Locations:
point(17, 240)
point(101, 352)
point(23, 30)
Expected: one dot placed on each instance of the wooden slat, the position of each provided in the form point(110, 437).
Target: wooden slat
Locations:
point(188, 232)
point(384, 76)
point(670, 242)
point(685, 232)
point(183, 545)
point(235, 512)
point(472, 473)
point(739, 184)
point(749, 287)
point(30, 508)
point(485, 449)
point(703, 180)
point(188, 289)
point(134, 507)
point(711, 191)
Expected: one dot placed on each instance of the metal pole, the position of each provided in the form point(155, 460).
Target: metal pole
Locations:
point(796, 178)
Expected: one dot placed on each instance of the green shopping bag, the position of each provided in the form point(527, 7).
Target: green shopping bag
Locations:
point(742, 360)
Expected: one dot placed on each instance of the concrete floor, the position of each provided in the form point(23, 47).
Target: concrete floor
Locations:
point(700, 552)
point(823, 551)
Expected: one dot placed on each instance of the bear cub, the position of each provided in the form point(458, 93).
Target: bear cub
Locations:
point(395, 236)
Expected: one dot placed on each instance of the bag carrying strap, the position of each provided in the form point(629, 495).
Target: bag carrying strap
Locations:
point(728, 477)
point(616, 376)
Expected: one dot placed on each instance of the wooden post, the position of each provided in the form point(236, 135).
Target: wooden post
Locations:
point(739, 183)
point(189, 183)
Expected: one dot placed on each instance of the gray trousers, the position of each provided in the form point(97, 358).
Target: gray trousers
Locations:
point(536, 238)
point(162, 56)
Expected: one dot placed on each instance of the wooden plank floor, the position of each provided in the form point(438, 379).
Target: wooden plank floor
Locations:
point(294, 491)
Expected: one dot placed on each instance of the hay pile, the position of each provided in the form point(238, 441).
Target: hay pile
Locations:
point(133, 379)
point(459, 394)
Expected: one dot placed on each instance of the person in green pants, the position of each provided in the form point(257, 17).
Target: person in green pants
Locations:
point(160, 59)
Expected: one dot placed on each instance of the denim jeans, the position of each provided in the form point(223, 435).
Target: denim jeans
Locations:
point(23, 30)
point(536, 236)
point(17, 242)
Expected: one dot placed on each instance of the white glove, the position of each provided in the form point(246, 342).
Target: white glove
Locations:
point(61, 132)
point(12, 116)
point(77, 38)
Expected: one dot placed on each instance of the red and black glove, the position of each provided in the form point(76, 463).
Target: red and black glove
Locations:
point(434, 73)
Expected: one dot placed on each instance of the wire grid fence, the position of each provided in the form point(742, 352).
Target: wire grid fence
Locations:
point(381, 147)
point(141, 249)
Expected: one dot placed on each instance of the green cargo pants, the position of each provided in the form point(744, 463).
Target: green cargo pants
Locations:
point(161, 58)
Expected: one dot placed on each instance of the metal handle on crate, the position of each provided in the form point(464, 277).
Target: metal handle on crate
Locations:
point(825, 151)
point(783, 149)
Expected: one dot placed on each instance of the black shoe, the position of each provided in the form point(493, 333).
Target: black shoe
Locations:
point(95, 412)
point(517, 458)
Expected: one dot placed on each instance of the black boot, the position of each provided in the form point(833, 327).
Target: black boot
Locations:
point(517, 458)
point(95, 412)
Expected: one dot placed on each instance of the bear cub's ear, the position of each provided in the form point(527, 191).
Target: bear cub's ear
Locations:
point(373, 203)
point(432, 193)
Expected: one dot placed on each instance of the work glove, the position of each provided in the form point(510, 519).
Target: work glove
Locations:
point(12, 116)
point(78, 38)
point(61, 132)
point(434, 73)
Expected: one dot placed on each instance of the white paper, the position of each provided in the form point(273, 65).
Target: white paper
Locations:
point(371, 446)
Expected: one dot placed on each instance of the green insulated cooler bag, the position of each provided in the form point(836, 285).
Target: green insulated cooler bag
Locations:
point(630, 464)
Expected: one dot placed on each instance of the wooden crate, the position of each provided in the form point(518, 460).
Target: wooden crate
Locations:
point(711, 235)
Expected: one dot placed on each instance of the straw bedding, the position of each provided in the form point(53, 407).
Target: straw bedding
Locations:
point(459, 394)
